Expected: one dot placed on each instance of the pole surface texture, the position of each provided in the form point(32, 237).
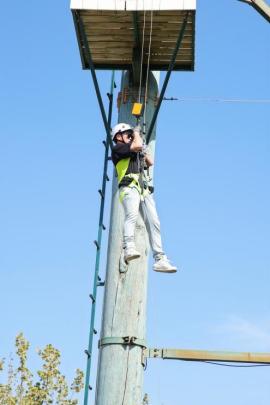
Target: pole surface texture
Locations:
point(120, 369)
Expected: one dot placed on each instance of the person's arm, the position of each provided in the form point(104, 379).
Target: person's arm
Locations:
point(148, 160)
point(137, 143)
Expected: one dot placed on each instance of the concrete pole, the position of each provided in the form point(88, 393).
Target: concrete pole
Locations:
point(120, 370)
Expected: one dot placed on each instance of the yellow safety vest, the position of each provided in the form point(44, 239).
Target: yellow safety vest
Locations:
point(121, 169)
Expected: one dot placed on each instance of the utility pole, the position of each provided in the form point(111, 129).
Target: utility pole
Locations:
point(123, 334)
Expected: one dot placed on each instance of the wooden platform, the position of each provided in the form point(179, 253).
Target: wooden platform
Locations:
point(112, 35)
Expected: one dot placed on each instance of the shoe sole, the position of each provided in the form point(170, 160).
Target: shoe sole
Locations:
point(133, 257)
point(165, 271)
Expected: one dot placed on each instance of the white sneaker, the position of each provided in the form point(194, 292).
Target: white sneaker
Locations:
point(164, 266)
point(131, 254)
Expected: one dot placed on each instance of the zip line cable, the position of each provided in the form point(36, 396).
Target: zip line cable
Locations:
point(218, 100)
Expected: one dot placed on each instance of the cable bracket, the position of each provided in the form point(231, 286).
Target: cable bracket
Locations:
point(126, 340)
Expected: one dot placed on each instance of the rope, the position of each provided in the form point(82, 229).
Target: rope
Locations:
point(141, 68)
point(148, 65)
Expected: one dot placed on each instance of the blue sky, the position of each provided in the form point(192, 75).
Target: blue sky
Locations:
point(212, 192)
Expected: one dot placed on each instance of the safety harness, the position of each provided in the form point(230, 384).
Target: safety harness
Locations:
point(132, 180)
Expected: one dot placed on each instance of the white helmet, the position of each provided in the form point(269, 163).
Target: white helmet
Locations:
point(119, 128)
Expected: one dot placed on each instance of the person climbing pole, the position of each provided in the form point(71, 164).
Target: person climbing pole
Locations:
point(131, 159)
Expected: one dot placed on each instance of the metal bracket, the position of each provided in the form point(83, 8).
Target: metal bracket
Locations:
point(153, 353)
point(126, 340)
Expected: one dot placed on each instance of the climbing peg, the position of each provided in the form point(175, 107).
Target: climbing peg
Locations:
point(101, 193)
point(92, 298)
point(101, 284)
point(109, 95)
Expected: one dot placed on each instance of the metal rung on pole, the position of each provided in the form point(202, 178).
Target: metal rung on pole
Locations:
point(101, 193)
point(101, 284)
point(92, 298)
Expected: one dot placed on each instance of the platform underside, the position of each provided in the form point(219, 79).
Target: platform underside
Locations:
point(113, 35)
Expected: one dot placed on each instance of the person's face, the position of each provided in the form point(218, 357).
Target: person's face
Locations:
point(125, 137)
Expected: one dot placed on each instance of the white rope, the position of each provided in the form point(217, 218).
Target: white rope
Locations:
point(141, 68)
point(148, 65)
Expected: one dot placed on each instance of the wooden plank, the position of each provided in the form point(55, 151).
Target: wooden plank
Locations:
point(127, 53)
point(109, 45)
point(156, 30)
point(130, 38)
point(126, 56)
point(125, 19)
point(118, 18)
point(128, 44)
point(159, 32)
point(156, 13)
point(160, 61)
point(154, 51)
point(115, 25)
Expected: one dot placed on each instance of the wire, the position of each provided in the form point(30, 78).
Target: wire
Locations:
point(237, 366)
point(231, 365)
point(218, 100)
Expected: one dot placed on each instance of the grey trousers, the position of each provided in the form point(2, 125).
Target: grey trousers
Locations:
point(132, 204)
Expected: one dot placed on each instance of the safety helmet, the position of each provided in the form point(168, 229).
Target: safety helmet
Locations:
point(120, 128)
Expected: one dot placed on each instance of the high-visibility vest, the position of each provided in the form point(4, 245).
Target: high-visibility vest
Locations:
point(121, 169)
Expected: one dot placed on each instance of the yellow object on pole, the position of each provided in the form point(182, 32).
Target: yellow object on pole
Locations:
point(137, 110)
